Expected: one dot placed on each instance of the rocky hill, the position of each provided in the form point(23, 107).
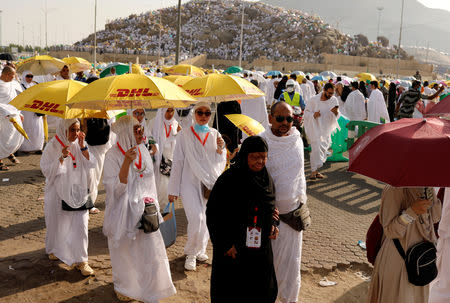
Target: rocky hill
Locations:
point(213, 27)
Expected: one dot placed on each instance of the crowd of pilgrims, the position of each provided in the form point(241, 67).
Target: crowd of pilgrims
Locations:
point(255, 229)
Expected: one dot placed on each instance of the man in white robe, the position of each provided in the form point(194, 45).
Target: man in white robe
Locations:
point(271, 90)
point(199, 159)
point(65, 163)
point(285, 164)
point(64, 74)
point(355, 104)
point(139, 262)
point(7, 87)
point(256, 109)
point(33, 123)
point(320, 120)
point(311, 86)
point(307, 93)
point(440, 287)
point(376, 106)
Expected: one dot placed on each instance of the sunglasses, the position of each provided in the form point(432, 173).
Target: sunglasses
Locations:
point(138, 113)
point(29, 76)
point(289, 119)
point(200, 113)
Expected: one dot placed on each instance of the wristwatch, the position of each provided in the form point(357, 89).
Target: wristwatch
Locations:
point(84, 148)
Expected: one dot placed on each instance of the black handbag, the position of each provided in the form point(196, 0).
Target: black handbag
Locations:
point(165, 166)
point(299, 219)
point(150, 220)
point(86, 206)
point(420, 261)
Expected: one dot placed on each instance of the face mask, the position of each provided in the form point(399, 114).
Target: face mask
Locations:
point(290, 89)
point(201, 128)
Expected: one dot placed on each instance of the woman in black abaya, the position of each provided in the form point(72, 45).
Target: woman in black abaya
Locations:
point(241, 196)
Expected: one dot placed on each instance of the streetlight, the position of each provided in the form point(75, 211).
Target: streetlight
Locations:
point(380, 10)
point(95, 34)
point(177, 54)
point(242, 35)
point(400, 39)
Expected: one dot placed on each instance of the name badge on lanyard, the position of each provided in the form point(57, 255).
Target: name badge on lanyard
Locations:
point(254, 234)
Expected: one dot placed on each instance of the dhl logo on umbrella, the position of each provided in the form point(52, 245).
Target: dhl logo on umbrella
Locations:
point(195, 92)
point(134, 92)
point(247, 130)
point(45, 106)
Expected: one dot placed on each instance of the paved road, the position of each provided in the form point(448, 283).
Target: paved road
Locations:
point(342, 206)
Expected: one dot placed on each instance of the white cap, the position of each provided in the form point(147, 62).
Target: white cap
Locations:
point(290, 82)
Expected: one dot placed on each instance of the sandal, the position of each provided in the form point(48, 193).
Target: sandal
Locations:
point(320, 176)
point(94, 210)
point(3, 167)
point(312, 178)
point(13, 159)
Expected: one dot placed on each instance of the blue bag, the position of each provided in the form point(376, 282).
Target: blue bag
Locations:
point(169, 228)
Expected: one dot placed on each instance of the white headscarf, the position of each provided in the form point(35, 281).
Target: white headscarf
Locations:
point(143, 123)
point(123, 128)
point(24, 80)
point(201, 104)
point(72, 185)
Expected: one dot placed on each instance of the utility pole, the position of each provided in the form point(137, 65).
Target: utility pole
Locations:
point(95, 34)
point(428, 49)
point(380, 10)
point(160, 33)
point(242, 35)
point(400, 40)
point(18, 33)
point(177, 54)
point(1, 28)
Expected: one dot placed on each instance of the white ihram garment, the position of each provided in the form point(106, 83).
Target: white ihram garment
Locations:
point(194, 164)
point(256, 109)
point(355, 107)
point(8, 91)
point(164, 132)
point(10, 138)
point(140, 266)
point(376, 107)
point(440, 287)
point(286, 166)
point(319, 130)
point(67, 231)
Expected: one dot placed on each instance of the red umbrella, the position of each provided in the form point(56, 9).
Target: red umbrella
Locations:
point(440, 109)
point(405, 153)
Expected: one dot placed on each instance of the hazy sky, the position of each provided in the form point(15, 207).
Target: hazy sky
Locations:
point(69, 21)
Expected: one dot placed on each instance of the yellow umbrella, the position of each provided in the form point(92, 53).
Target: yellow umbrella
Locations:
point(131, 91)
point(77, 64)
point(184, 69)
point(366, 76)
point(221, 87)
point(50, 98)
point(19, 127)
point(178, 79)
point(248, 125)
point(137, 69)
point(41, 65)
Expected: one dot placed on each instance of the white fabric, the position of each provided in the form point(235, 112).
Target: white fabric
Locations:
point(440, 287)
point(185, 182)
point(285, 164)
point(24, 82)
point(7, 91)
point(67, 231)
point(342, 109)
point(99, 152)
point(140, 266)
point(306, 91)
point(355, 106)
point(10, 138)
point(319, 130)
point(311, 87)
point(187, 121)
point(270, 91)
point(34, 127)
point(376, 107)
point(167, 147)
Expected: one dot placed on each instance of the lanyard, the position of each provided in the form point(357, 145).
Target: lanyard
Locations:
point(165, 129)
point(198, 137)
point(70, 154)
point(139, 164)
point(255, 218)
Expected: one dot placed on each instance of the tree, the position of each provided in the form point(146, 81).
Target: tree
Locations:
point(362, 39)
point(383, 40)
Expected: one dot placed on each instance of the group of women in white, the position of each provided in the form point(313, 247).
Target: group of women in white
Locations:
point(135, 176)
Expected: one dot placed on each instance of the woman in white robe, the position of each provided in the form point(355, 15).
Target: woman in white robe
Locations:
point(140, 266)
point(33, 123)
point(65, 163)
point(320, 121)
point(164, 131)
point(199, 159)
point(139, 114)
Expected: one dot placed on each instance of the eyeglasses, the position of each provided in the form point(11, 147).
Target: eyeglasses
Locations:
point(289, 119)
point(200, 113)
point(29, 76)
point(138, 113)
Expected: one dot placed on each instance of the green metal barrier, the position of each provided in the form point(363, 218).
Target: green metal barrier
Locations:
point(362, 126)
point(339, 142)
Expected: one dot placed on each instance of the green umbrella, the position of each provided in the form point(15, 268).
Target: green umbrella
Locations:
point(120, 69)
point(233, 70)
